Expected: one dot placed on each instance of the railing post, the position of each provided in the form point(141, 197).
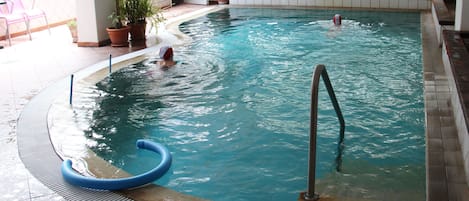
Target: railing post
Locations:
point(335, 103)
point(110, 63)
point(71, 89)
point(310, 194)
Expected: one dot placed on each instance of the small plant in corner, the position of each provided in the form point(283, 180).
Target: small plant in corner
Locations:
point(72, 26)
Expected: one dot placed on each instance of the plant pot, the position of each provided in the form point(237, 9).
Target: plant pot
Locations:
point(119, 37)
point(137, 31)
point(223, 1)
point(74, 33)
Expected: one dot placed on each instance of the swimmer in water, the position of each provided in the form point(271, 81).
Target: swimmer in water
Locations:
point(337, 19)
point(166, 54)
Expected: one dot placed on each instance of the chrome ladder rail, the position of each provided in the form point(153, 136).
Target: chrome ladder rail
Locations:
point(321, 71)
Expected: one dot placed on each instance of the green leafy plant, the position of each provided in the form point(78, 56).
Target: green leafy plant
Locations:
point(138, 11)
point(117, 17)
point(72, 26)
point(72, 23)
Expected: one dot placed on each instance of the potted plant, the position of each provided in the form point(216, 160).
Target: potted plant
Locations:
point(137, 12)
point(72, 26)
point(118, 33)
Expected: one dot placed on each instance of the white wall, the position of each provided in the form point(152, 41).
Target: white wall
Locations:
point(461, 22)
point(103, 9)
point(56, 11)
point(394, 4)
point(162, 3)
point(203, 2)
point(92, 21)
point(86, 17)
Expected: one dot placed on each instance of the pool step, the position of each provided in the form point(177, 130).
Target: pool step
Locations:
point(362, 181)
point(349, 192)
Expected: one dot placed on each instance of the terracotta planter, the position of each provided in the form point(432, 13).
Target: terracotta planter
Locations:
point(74, 32)
point(137, 31)
point(119, 37)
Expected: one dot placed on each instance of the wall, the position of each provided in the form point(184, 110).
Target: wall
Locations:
point(58, 11)
point(461, 22)
point(393, 4)
point(162, 3)
point(86, 30)
point(103, 9)
point(202, 2)
point(459, 117)
point(92, 21)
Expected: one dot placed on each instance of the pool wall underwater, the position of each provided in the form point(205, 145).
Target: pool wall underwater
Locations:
point(363, 4)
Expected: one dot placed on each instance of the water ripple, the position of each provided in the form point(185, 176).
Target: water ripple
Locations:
point(235, 109)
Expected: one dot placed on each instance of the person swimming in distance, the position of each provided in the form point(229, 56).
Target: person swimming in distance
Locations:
point(166, 54)
point(336, 28)
point(337, 19)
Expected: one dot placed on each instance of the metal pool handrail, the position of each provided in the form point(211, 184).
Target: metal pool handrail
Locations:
point(321, 70)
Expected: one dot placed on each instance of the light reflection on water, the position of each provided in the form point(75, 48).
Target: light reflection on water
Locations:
point(234, 112)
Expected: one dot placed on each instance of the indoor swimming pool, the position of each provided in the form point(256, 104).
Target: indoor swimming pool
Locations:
point(234, 111)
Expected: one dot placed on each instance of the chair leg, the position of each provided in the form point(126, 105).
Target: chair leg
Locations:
point(47, 23)
point(29, 30)
point(9, 35)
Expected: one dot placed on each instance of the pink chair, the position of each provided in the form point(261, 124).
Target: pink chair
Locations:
point(10, 17)
point(16, 13)
point(31, 14)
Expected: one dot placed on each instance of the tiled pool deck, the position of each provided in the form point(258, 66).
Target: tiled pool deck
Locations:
point(27, 67)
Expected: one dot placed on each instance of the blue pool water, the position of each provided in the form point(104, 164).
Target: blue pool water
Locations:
point(234, 112)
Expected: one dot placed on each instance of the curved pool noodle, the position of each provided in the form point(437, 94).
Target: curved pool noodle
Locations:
point(77, 179)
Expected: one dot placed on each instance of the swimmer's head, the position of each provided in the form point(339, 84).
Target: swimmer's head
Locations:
point(166, 53)
point(337, 19)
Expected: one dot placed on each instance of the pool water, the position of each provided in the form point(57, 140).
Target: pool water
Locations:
point(234, 112)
